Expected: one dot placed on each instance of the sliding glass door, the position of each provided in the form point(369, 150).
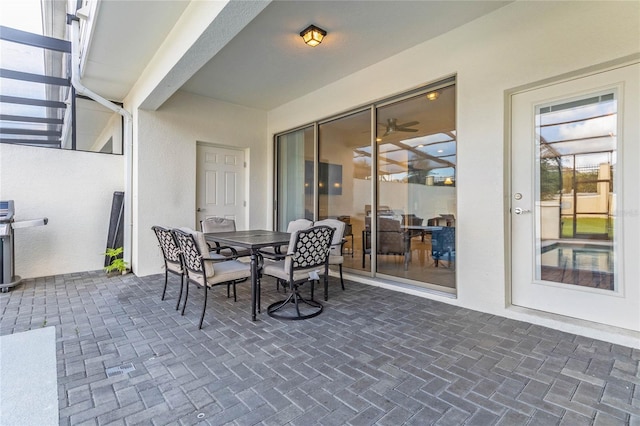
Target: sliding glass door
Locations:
point(394, 188)
point(294, 177)
point(344, 178)
point(416, 177)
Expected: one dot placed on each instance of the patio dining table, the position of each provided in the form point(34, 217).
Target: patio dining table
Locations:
point(253, 240)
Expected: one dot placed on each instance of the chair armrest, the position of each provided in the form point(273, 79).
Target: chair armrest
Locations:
point(273, 256)
point(341, 245)
point(218, 248)
point(226, 259)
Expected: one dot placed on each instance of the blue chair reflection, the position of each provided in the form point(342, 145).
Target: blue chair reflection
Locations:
point(443, 244)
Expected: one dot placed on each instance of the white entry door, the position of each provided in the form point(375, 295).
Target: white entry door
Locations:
point(220, 185)
point(575, 200)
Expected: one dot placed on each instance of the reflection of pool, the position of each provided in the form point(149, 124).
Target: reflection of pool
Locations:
point(582, 264)
point(587, 257)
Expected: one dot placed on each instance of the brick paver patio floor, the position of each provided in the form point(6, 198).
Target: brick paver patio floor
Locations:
point(374, 356)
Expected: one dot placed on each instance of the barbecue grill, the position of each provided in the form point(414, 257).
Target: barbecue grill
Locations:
point(8, 278)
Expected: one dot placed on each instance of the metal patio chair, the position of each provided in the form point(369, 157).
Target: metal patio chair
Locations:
point(391, 239)
point(205, 271)
point(221, 224)
point(172, 259)
point(336, 256)
point(306, 261)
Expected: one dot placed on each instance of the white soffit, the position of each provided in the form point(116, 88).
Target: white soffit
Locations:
point(267, 64)
point(125, 38)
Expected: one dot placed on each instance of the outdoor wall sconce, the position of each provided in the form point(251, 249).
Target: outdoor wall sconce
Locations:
point(313, 35)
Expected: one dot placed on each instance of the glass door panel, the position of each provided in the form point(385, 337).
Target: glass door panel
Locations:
point(294, 153)
point(580, 172)
point(404, 176)
point(344, 180)
point(416, 180)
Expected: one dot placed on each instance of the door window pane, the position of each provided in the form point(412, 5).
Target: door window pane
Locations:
point(577, 142)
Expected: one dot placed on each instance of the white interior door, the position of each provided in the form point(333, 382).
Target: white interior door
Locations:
point(575, 198)
point(220, 184)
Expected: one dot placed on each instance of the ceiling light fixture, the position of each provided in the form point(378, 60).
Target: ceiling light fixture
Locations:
point(313, 35)
point(432, 96)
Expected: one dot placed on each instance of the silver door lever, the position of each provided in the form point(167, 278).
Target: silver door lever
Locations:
point(518, 210)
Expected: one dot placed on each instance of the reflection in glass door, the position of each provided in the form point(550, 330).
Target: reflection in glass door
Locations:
point(344, 179)
point(577, 148)
point(294, 164)
point(575, 228)
point(404, 176)
point(416, 186)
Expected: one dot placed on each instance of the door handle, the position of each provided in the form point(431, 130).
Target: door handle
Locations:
point(200, 209)
point(519, 210)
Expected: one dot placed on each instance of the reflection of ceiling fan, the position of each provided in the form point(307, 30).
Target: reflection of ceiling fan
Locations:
point(393, 126)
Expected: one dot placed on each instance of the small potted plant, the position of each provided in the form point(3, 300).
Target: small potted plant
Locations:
point(117, 265)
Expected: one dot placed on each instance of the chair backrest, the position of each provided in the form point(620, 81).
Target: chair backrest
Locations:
point(309, 248)
point(411, 220)
point(217, 224)
point(298, 225)
point(388, 225)
point(194, 248)
point(168, 245)
point(338, 235)
point(390, 236)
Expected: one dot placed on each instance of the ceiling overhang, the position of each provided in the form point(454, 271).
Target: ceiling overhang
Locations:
point(250, 52)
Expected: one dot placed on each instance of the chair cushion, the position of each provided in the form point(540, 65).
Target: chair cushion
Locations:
point(277, 269)
point(203, 248)
point(229, 270)
point(174, 267)
point(226, 270)
point(218, 224)
point(338, 235)
point(298, 225)
point(214, 255)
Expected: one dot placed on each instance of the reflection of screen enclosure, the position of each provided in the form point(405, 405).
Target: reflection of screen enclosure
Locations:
point(329, 178)
point(577, 145)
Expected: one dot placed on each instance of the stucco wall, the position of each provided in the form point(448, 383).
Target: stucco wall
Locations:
point(111, 131)
point(522, 43)
point(74, 190)
point(166, 166)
